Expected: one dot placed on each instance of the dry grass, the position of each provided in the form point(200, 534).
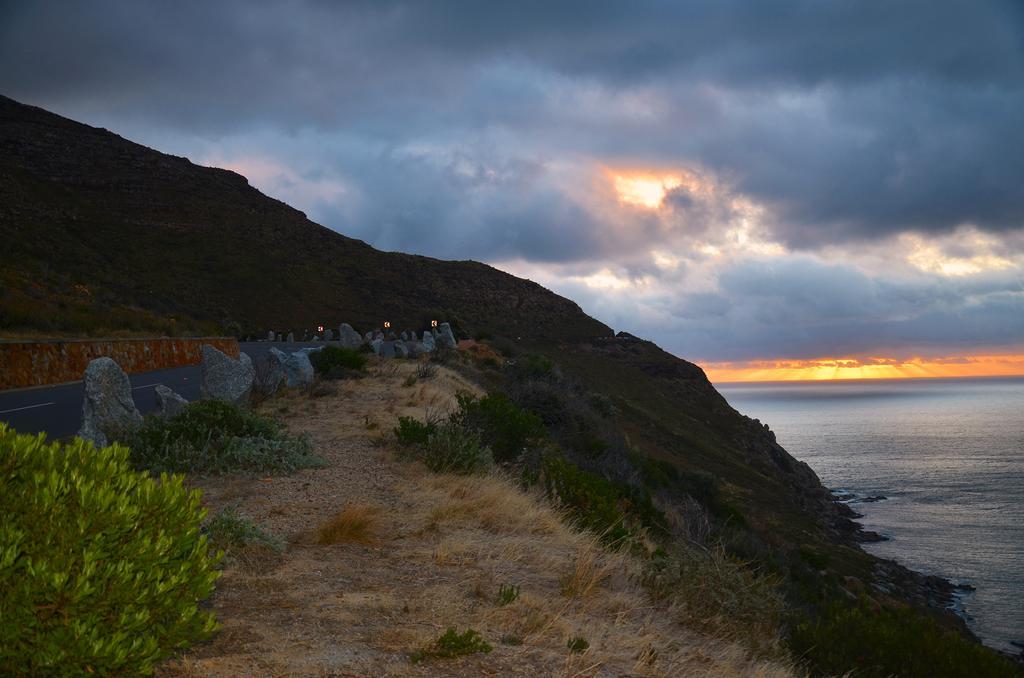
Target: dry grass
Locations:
point(356, 523)
point(451, 542)
point(591, 566)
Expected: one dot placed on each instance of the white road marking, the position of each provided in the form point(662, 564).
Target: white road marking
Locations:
point(27, 407)
point(136, 388)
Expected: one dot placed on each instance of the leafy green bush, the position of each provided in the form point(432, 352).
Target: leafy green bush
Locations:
point(504, 426)
point(413, 432)
point(334, 361)
point(452, 448)
point(101, 567)
point(212, 436)
point(228, 530)
point(886, 642)
point(453, 644)
point(613, 510)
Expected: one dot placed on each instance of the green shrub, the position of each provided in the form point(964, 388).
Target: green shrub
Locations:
point(504, 426)
point(228, 530)
point(212, 436)
point(414, 432)
point(101, 567)
point(577, 644)
point(334, 360)
point(453, 644)
point(532, 367)
point(452, 448)
point(887, 642)
point(612, 510)
point(507, 594)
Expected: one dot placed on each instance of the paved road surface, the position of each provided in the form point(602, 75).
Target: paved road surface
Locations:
point(57, 410)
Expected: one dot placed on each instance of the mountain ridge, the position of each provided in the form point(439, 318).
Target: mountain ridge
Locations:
point(77, 201)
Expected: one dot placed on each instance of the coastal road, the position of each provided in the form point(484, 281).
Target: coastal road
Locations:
point(57, 410)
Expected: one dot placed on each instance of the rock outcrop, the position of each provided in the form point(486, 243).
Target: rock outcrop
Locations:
point(291, 337)
point(168, 403)
point(428, 342)
point(224, 378)
point(401, 350)
point(108, 410)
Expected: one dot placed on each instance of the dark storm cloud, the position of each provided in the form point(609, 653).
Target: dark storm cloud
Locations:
point(851, 120)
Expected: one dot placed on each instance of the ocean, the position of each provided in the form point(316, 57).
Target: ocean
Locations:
point(947, 455)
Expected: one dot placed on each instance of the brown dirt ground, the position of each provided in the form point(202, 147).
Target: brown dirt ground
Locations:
point(437, 550)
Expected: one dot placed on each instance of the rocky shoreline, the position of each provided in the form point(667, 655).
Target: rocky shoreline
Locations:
point(897, 580)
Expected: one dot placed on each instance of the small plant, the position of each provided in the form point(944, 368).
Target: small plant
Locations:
point(212, 436)
point(229, 531)
point(357, 523)
point(102, 568)
point(337, 361)
point(414, 432)
point(509, 639)
point(577, 644)
point(507, 594)
point(426, 371)
point(410, 381)
point(453, 644)
point(452, 448)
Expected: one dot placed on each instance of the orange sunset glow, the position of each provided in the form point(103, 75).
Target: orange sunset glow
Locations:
point(824, 369)
point(647, 188)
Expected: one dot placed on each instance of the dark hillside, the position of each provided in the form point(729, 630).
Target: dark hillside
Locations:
point(104, 234)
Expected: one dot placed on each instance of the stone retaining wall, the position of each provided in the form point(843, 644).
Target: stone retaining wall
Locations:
point(36, 363)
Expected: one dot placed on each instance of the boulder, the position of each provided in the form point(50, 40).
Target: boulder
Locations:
point(348, 337)
point(415, 349)
point(445, 338)
point(328, 335)
point(270, 335)
point(401, 350)
point(298, 370)
point(272, 372)
point(428, 342)
point(368, 337)
point(225, 378)
point(168, 403)
point(291, 337)
point(377, 344)
point(108, 410)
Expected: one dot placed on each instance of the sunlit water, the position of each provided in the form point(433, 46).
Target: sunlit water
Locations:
point(949, 456)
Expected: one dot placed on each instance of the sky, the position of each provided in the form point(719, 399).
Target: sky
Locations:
point(775, 190)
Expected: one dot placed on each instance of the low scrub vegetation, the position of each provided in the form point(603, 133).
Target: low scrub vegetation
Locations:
point(336, 362)
point(505, 427)
point(102, 568)
point(719, 594)
point(215, 437)
point(455, 449)
point(230, 532)
point(615, 511)
point(453, 644)
point(896, 641)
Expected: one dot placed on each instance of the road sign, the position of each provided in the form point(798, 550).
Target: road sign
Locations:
point(387, 325)
point(433, 323)
point(319, 328)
